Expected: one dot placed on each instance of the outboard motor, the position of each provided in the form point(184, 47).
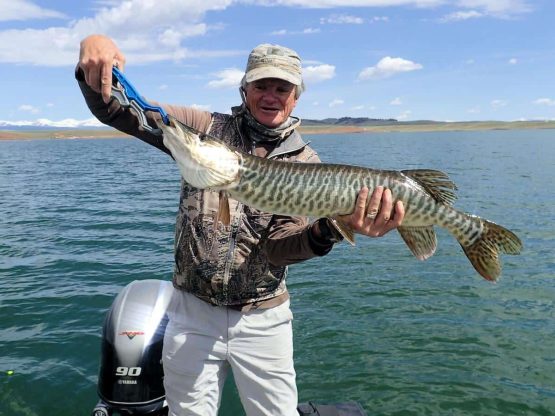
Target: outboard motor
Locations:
point(130, 380)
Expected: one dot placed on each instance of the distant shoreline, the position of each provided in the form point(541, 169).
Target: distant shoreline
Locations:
point(307, 129)
point(409, 127)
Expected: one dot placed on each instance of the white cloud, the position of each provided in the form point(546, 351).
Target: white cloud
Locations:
point(26, 10)
point(28, 108)
point(498, 8)
point(284, 32)
point(327, 4)
point(44, 122)
point(147, 32)
point(487, 8)
point(311, 62)
point(545, 101)
point(474, 110)
point(163, 87)
point(342, 19)
point(404, 115)
point(494, 8)
point(388, 67)
point(318, 73)
point(141, 28)
point(228, 78)
point(171, 38)
point(498, 103)
point(461, 15)
point(513, 61)
point(336, 102)
point(69, 122)
point(396, 101)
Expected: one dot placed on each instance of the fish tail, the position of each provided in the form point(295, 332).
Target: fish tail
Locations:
point(484, 252)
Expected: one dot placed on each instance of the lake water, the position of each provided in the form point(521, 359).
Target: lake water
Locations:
point(79, 219)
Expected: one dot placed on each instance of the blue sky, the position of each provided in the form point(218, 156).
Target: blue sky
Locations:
point(405, 59)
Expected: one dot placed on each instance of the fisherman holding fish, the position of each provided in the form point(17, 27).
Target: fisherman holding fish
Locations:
point(230, 307)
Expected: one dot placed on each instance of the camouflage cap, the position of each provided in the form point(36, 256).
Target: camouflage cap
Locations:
point(274, 61)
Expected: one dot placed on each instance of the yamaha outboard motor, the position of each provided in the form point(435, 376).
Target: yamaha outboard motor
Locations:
point(130, 381)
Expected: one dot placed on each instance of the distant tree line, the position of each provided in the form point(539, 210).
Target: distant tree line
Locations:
point(349, 121)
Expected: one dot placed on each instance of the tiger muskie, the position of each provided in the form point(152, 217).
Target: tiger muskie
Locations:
point(330, 190)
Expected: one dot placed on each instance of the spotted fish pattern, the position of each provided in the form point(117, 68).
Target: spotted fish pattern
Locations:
point(330, 190)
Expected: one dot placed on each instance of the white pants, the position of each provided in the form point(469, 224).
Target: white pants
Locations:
point(201, 343)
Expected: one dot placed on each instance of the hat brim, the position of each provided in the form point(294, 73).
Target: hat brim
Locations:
point(273, 72)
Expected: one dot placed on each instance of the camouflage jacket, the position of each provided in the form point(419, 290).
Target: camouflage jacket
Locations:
point(244, 262)
point(240, 264)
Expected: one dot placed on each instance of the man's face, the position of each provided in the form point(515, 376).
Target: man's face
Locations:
point(270, 100)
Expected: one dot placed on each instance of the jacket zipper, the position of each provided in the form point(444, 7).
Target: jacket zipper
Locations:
point(230, 253)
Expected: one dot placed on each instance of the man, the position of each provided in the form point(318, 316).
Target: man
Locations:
point(230, 308)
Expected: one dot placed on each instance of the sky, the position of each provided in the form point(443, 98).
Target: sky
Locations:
point(443, 60)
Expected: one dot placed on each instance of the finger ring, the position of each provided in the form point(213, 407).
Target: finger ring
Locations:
point(372, 214)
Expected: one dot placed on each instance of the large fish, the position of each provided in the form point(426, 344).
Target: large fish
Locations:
point(330, 190)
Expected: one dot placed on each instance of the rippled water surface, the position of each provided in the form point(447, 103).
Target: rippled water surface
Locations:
point(79, 219)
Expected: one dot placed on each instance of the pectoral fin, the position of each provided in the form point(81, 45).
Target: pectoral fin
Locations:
point(342, 228)
point(420, 240)
point(223, 214)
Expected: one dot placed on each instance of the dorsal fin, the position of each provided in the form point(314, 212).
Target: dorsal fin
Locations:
point(436, 183)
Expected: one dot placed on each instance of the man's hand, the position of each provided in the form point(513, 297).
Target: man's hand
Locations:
point(380, 217)
point(97, 55)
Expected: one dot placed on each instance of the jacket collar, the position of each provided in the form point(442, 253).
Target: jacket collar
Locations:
point(292, 143)
point(285, 139)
